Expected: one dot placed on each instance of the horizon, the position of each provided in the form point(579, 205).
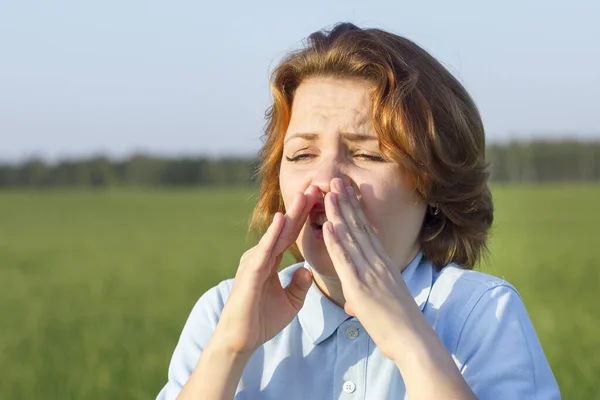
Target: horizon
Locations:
point(83, 157)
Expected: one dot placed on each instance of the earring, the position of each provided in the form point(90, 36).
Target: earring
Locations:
point(434, 209)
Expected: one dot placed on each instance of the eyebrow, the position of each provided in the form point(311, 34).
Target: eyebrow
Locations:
point(350, 137)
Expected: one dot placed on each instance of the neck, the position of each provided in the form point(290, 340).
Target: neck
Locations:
point(331, 287)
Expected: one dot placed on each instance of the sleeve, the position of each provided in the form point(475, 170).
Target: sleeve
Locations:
point(195, 335)
point(499, 352)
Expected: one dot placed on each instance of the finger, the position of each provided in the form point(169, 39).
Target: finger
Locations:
point(295, 218)
point(264, 249)
point(341, 259)
point(291, 216)
point(370, 231)
point(352, 248)
point(298, 287)
point(276, 262)
point(359, 226)
point(259, 256)
point(268, 240)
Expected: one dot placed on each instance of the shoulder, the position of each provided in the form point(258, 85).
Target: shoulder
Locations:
point(484, 324)
point(465, 287)
point(214, 299)
point(454, 273)
point(210, 304)
point(198, 329)
point(457, 295)
point(206, 312)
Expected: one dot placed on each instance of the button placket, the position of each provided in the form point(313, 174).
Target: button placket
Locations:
point(352, 351)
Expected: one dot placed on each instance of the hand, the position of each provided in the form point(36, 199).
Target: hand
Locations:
point(258, 307)
point(372, 284)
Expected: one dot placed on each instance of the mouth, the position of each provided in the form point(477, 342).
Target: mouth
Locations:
point(317, 218)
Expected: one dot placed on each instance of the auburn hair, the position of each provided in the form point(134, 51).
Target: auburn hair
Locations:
point(426, 122)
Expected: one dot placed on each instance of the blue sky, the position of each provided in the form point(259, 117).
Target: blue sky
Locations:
point(191, 77)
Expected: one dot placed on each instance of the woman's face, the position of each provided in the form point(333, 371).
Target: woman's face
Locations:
point(331, 135)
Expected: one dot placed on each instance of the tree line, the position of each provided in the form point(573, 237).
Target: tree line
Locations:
point(545, 161)
point(138, 170)
point(525, 162)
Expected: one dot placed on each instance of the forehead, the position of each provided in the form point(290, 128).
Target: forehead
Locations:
point(334, 91)
point(331, 101)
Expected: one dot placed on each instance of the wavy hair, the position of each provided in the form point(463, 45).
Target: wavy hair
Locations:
point(426, 122)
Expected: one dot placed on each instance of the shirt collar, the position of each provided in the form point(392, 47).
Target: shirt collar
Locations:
point(320, 317)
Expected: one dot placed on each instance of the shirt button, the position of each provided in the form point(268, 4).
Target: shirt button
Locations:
point(351, 332)
point(349, 387)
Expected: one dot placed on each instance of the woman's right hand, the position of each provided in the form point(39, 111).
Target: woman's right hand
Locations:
point(258, 307)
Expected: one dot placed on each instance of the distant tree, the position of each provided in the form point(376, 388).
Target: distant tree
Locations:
point(102, 172)
point(32, 173)
point(9, 176)
point(142, 170)
point(536, 161)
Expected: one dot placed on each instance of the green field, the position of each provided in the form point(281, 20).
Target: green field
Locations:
point(96, 285)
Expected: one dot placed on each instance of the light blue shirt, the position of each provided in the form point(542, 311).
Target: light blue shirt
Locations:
point(326, 354)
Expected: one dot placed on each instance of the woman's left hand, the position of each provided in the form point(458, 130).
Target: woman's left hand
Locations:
point(372, 284)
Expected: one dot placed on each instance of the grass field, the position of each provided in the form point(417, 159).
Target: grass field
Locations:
point(96, 285)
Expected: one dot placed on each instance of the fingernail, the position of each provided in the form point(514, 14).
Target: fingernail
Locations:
point(333, 198)
point(350, 191)
point(307, 189)
point(339, 185)
point(330, 227)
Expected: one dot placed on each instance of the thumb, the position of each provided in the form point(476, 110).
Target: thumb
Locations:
point(298, 287)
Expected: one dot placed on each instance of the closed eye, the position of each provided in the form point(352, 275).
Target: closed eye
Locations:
point(299, 157)
point(370, 157)
point(306, 156)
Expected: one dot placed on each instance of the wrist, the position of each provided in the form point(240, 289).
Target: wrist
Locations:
point(416, 341)
point(416, 353)
point(426, 363)
point(217, 373)
point(412, 337)
point(219, 349)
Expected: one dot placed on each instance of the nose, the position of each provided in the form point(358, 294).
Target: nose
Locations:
point(325, 172)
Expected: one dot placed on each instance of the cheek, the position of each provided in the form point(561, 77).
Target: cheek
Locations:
point(284, 190)
point(392, 206)
point(288, 186)
point(292, 182)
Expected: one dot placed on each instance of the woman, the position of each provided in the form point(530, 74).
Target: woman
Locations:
point(373, 173)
